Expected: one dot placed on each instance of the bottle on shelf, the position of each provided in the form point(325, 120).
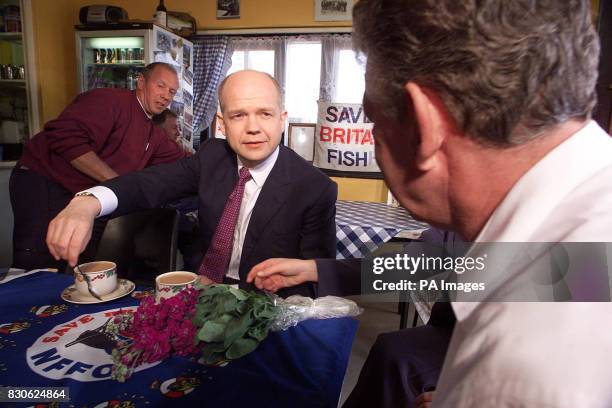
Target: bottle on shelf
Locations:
point(131, 79)
point(160, 14)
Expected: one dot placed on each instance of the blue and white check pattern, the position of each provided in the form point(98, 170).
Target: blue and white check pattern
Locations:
point(212, 59)
point(361, 227)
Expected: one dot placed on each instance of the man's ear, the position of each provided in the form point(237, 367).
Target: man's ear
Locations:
point(221, 122)
point(140, 82)
point(430, 116)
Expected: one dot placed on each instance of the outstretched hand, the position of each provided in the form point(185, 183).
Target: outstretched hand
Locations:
point(70, 232)
point(277, 273)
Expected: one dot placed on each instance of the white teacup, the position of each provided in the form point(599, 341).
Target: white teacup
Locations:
point(170, 283)
point(101, 274)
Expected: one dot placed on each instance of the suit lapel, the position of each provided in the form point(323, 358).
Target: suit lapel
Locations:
point(273, 195)
point(221, 186)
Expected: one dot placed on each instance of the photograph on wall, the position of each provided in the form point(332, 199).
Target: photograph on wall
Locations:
point(187, 133)
point(188, 77)
point(187, 98)
point(163, 42)
point(228, 9)
point(186, 56)
point(188, 118)
point(333, 10)
point(167, 57)
point(301, 139)
point(177, 107)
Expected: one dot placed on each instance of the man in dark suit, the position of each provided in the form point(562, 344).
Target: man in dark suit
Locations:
point(257, 199)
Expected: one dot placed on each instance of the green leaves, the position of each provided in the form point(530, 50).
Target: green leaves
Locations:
point(232, 322)
point(211, 331)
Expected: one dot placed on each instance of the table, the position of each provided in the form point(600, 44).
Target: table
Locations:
point(301, 367)
point(361, 226)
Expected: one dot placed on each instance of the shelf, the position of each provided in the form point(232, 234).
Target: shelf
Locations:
point(19, 83)
point(10, 36)
point(127, 64)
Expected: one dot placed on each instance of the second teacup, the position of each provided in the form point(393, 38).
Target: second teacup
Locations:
point(170, 283)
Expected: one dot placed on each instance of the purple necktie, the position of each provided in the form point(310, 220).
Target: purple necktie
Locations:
point(217, 258)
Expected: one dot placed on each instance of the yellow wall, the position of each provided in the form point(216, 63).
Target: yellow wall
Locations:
point(361, 189)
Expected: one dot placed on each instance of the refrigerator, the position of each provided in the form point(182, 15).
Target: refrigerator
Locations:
point(113, 58)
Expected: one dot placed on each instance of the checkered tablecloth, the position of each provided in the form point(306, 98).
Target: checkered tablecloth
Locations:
point(361, 227)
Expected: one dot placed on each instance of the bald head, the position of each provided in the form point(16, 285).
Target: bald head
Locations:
point(235, 82)
point(251, 117)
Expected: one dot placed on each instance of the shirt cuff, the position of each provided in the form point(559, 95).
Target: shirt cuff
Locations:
point(106, 197)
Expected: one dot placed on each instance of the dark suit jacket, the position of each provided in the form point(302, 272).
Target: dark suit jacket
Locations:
point(294, 215)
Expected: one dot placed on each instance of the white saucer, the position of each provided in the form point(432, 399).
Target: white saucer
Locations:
point(70, 294)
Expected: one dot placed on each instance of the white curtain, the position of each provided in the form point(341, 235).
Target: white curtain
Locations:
point(331, 44)
point(265, 43)
point(331, 47)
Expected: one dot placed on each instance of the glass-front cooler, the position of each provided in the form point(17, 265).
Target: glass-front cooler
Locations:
point(110, 61)
point(114, 58)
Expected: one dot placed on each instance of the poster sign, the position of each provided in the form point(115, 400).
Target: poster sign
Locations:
point(344, 140)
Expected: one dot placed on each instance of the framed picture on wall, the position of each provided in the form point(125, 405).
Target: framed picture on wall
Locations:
point(228, 9)
point(301, 139)
point(333, 10)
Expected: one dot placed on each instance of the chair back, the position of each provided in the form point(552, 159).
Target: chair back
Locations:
point(142, 244)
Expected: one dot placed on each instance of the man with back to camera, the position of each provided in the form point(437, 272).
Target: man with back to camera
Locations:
point(256, 199)
point(101, 134)
point(482, 115)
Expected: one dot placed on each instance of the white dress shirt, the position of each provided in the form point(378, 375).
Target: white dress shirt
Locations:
point(259, 174)
point(506, 354)
point(253, 187)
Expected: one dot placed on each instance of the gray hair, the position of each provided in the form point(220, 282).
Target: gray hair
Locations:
point(146, 72)
point(506, 70)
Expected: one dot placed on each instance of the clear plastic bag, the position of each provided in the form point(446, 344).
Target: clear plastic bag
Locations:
point(296, 308)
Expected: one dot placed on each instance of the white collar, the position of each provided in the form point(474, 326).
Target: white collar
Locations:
point(261, 172)
point(540, 190)
point(142, 106)
point(543, 186)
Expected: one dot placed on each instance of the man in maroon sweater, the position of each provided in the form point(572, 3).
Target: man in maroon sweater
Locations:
point(103, 133)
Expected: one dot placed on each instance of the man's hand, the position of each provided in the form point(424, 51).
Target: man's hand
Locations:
point(277, 273)
point(204, 280)
point(424, 400)
point(70, 231)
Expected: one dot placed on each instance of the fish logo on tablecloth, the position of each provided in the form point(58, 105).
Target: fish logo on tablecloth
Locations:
point(179, 386)
point(48, 310)
point(80, 348)
point(15, 327)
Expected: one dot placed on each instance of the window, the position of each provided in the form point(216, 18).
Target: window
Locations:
point(259, 60)
point(308, 67)
point(350, 83)
point(303, 76)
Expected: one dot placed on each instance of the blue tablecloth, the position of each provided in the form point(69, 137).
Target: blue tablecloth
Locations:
point(361, 226)
point(301, 367)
